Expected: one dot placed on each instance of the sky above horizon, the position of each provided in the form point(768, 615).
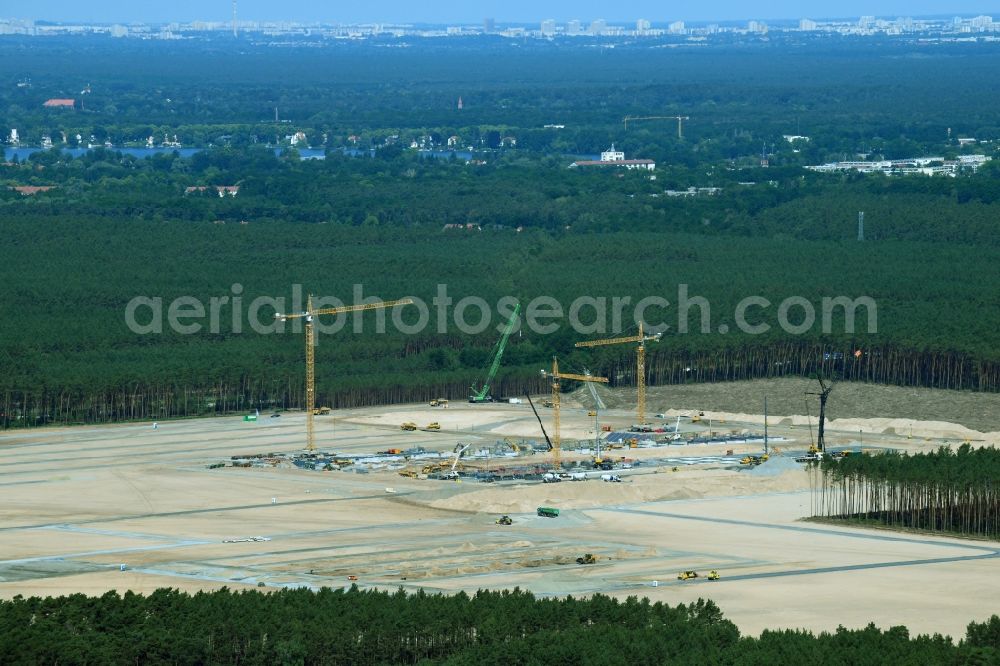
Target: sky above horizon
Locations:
point(458, 11)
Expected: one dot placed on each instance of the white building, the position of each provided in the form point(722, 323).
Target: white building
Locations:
point(615, 158)
point(676, 28)
point(598, 27)
point(548, 27)
point(642, 26)
point(13, 140)
point(807, 25)
point(612, 155)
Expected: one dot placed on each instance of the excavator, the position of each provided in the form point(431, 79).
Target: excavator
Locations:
point(504, 520)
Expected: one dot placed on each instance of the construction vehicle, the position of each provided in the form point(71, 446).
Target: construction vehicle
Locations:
point(352, 577)
point(547, 403)
point(754, 460)
point(588, 558)
point(439, 402)
point(504, 520)
point(592, 413)
point(548, 512)
point(481, 393)
point(409, 425)
point(713, 575)
point(687, 575)
point(310, 336)
point(640, 364)
point(322, 411)
point(824, 395)
point(459, 450)
point(540, 424)
point(433, 426)
point(409, 474)
point(556, 377)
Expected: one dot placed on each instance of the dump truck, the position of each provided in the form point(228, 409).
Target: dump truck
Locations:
point(439, 402)
point(548, 512)
point(321, 411)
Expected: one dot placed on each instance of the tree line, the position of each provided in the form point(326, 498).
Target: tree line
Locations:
point(948, 490)
point(370, 627)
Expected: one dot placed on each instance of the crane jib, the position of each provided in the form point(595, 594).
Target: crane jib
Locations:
point(482, 393)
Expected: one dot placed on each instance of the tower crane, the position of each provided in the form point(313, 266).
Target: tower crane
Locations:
point(482, 392)
point(556, 376)
point(308, 316)
point(640, 364)
point(680, 121)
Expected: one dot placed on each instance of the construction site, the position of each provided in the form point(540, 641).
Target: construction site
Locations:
point(662, 493)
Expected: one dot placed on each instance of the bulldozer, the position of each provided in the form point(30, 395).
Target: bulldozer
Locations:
point(588, 558)
point(713, 575)
point(439, 402)
point(433, 426)
point(504, 520)
point(687, 575)
point(321, 411)
point(408, 426)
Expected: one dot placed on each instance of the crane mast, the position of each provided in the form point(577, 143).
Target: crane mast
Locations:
point(640, 364)
point(309, 315)
point(556, 376)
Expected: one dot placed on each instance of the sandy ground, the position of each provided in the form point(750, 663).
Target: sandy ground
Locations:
point(77, 503)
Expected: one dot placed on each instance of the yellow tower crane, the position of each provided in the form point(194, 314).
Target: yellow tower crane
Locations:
point(308, 315)
point(556, 376)
point(640, 364)
point(680, 122)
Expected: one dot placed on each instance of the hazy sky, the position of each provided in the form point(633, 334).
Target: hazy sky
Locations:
point(443, 11)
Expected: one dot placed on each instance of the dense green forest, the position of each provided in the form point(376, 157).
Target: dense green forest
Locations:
point(68, 351)
point(944, 491)
point(368, 627)
point(116, 226)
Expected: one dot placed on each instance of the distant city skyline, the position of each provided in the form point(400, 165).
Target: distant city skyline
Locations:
point(454, 11)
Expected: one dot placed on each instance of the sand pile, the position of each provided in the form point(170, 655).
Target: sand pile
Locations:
point(905, 427)
point(786, 476)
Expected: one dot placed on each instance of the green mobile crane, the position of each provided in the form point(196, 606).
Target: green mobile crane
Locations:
point(482, 392)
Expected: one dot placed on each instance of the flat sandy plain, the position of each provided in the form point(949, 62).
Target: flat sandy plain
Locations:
point(77, 503)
